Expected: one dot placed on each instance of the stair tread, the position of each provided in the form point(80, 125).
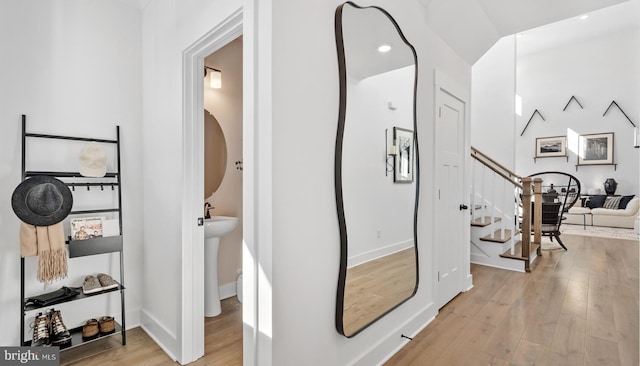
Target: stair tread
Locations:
point(487, 221)
point(518, 249)
point(495, 236)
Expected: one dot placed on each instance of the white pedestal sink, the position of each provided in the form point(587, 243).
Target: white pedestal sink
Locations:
point(214, 228)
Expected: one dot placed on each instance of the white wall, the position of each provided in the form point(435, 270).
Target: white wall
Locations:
point(305, 229)
point(379, 218)
point(492, 110)
point(596, 71)
point(226, 106)
point(169, 28)
point(74, 68)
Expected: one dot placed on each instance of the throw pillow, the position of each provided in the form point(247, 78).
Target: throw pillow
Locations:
point(624, 201)
point(596, 201)
point(612, 202)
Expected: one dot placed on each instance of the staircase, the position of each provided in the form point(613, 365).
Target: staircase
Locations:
point(501, 212)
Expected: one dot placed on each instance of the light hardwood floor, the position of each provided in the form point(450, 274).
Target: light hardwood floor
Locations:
point(223, 345)
point(578, 307)
point(375, 287)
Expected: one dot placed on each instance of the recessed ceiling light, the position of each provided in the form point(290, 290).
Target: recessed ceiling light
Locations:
point(384, 48)
point(583, 17)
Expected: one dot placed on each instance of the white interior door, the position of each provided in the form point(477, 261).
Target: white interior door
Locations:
point(449, 183)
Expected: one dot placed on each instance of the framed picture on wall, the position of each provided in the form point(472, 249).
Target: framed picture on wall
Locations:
point(403, 172)
point(548, 147)
point(595, 149)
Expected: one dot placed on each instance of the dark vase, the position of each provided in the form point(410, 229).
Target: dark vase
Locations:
point(610, 186)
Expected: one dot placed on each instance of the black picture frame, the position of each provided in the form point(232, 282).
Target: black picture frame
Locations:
point(403, 140)
point(595, 149)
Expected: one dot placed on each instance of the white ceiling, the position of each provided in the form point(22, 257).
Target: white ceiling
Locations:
point(140, 4)
point(364, 30)
point(613, 19)
point(471, 27)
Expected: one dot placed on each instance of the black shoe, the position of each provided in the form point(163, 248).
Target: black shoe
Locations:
point(40, 331)
point(59, 334)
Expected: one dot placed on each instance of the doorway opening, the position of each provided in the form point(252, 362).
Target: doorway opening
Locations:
point(223, 184)
point(191, 337)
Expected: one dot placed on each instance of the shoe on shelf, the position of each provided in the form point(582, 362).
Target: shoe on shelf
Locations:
point(90, 330)
point(59, 333)
point(40, 327)
point(91, 285)
point(107, 325)
point(106, 281)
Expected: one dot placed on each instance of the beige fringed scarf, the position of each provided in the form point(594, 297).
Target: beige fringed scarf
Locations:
point(47, 242)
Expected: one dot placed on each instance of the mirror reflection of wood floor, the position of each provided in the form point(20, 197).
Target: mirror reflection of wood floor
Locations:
point(223, 345)
point(578, 307)
point(374, 287)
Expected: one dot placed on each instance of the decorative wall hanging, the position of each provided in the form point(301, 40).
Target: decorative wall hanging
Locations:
point(569, 102)
point(533, 114)
point(595, 149)
point(403, 172)
point(551, 147)
point(616, 104)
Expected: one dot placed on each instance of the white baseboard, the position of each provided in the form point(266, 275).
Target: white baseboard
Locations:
point(383, 350)
point(378, 253)
point(227, 290)
point(468, 283)
point(159, 333)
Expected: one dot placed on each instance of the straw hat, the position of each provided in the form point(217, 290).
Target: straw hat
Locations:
point(93, 161)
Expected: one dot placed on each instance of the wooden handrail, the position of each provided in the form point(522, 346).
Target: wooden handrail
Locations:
point(508, 178)
point(531, 195)
point(485, 156)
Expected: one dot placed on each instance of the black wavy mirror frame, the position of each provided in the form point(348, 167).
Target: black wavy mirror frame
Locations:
point(378, 70)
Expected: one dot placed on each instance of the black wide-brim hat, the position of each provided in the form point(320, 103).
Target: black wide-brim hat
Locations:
point(42, 201)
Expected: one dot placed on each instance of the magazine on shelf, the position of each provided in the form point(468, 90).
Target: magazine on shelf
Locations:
point(86, 228)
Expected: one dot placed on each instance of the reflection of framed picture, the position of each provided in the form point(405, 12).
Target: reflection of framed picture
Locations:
point(403, 172)
point(547, 147)
point(595, 149)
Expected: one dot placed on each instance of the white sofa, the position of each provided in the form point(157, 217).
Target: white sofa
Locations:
point(624, 218)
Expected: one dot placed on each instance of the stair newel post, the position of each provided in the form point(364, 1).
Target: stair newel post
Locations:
point(526, 220)
point(483, 194)
point(514, 222)
point(503, 222)
point(493, 197)
point(537, 211)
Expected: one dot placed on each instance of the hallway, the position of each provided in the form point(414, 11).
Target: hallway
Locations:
point(578, 307)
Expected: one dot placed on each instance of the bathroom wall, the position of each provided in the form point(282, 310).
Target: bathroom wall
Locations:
point(74, 68)
point(226, 105)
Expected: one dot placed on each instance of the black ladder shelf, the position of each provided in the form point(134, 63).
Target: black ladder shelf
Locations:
point(81, 248)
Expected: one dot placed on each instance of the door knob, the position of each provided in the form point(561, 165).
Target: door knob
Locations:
point(463, 207)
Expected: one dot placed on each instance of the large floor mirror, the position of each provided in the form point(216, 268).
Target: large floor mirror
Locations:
point(376, 167)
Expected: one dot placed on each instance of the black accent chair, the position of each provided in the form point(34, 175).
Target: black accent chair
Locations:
point(560, 191)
